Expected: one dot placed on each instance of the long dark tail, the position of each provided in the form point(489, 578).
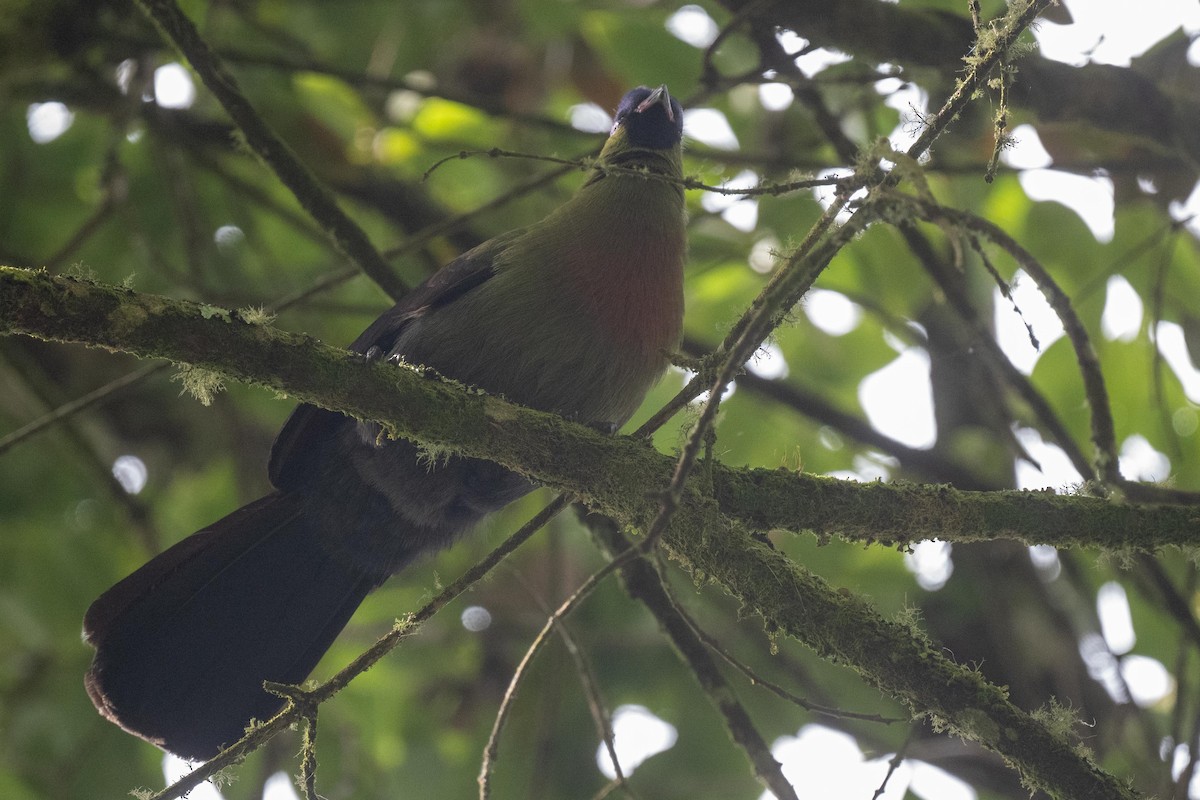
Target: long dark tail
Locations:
point(184, 644)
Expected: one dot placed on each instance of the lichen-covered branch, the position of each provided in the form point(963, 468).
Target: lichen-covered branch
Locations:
point(615, 475)
point(893, 656)
point(905, 513)
point(612, 473)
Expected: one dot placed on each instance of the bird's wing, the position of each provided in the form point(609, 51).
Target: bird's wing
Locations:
point(449, 283)
point(310, 429)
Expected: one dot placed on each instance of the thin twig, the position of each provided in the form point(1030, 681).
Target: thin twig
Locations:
point(894, 764)
point(73, 407)
point(981, 66)
point(1003, 139)
point(591, 688)
point(420, 239)
point(710, 76)
point(806, 91)
point(756, 679)
point(114, 187)
point(459, 220)
point(763, 188)
point(302, 224)
point(1165, 595)
point(607, 790)
point(84, 232)
point(693, 389)
point(308, 759)
point(35, 379)
point(1106, 466)
point(993, 357)
point(644, 583)
point(492, 749)
point(1188, 773)
point(300, 702)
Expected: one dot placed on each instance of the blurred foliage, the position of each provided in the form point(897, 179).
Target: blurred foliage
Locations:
point(371, 94)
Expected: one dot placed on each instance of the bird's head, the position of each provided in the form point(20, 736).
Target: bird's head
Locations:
point(649, 118)
point(647, 133)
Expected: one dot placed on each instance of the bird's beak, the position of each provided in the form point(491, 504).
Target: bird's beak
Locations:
point(661, 97)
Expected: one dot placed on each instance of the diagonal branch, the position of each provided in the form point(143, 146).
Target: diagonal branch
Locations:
point(615, 475)
point(618, 475)
point(643, 582)
point(315, 199)
point(824, 241)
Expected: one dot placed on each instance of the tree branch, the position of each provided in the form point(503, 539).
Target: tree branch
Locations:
point(615, 474)
point(902, 514)
point(642, 582)
point(1099, 94)
point(320, 205)
point(618, 476)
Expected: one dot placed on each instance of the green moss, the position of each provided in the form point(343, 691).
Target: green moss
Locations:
point(127, 317)
point(977, 725)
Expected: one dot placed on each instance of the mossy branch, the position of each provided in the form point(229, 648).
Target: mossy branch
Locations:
point(618, 476)
point(902, 514)
point(613, 474)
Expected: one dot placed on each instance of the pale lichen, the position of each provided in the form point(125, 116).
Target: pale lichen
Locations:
point(209, 311)
point(202, 384)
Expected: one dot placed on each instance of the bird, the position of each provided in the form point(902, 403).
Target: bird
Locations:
point(578, 314)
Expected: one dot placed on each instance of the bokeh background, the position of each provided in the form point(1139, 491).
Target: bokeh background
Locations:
point(116, 164)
